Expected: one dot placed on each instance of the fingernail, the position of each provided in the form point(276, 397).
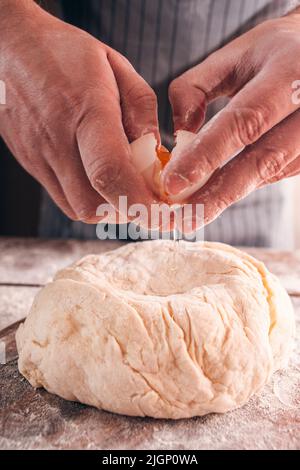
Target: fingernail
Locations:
point(175, 184)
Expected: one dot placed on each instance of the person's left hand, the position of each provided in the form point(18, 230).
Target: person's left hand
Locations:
point(261, 72)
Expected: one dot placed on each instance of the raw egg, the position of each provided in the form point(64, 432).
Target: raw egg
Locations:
point(150, 159)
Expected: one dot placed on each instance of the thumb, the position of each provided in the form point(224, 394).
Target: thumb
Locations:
point(138, 100)
point(190, 93)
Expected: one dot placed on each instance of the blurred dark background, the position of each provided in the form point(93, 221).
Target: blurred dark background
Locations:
point(19, 197)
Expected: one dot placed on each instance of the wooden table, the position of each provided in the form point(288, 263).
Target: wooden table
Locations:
point(37, 420)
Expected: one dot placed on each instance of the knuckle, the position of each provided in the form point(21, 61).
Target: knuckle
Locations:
point(142, 96)
point(249, 125)
point(175, 87)
point(215, 208)
point(85, 209)
point(223, 202)
point(86, 213)
point(271, 164)
point(104, 175)
point(275, 179)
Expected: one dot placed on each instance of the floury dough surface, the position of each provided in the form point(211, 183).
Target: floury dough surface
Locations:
point(160, 328)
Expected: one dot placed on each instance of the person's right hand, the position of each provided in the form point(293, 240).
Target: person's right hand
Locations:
point(73, 106)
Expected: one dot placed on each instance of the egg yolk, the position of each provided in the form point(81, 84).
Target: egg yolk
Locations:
point(163, 155)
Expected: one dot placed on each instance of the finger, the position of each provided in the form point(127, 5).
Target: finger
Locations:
point(254, 167)
point(85, 201)
point(106, 156)
point(292, 169)
point(190, 93)
point(138, 100)
point(50, 182)
point(249, 115)
point(81, 196)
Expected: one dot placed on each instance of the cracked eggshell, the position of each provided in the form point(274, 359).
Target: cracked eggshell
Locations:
point(146, 161)
point(158, 328)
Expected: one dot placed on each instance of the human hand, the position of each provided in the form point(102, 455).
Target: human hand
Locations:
point(259, 71)
point(73, 106)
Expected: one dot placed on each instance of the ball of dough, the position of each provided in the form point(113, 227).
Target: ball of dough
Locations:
point(158, 328)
